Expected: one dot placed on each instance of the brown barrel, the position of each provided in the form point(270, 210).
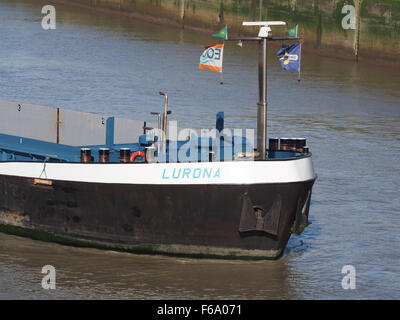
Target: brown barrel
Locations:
point(284, 142)
point(104, 155)
point(124, 155)
point(86, 155)
point(300, 144)
point(273, 144)
point(292, 144)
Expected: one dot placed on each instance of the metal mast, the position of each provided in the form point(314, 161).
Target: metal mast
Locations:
point(263, 38)
point(262, 99)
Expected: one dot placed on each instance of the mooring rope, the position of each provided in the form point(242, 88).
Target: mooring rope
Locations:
point(44, 167)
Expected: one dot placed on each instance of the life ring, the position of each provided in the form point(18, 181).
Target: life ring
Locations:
point(138, 154)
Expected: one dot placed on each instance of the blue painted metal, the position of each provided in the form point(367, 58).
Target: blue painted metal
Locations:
point(110, 131)
point(220, 121)
point(145, 140)
point(15, 148)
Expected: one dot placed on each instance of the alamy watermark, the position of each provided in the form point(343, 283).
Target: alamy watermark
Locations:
point(49, 20)
point(49, 280)
point(349, 280)
point(204, 145)
point(349, 20)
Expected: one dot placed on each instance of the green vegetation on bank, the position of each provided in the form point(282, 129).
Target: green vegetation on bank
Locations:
point(320, 22)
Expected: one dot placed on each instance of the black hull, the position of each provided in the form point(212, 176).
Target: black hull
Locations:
point(200, 220)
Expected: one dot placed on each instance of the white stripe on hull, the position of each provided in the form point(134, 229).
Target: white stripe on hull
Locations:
point(234, 172)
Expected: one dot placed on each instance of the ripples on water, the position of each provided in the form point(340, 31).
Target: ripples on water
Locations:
point(349, 113)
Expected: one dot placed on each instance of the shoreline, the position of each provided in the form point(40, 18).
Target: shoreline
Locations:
point(332, 51)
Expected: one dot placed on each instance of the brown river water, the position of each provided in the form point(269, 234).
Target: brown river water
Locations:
point(350, 114)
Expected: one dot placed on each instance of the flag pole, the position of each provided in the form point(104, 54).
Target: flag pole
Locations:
point(299, 77)
point(223, 33)
point(262, 98)
point(301, 46)
point(221, 82)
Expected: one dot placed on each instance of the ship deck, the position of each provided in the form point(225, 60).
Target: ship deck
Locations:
point(50, 134)
point(16, 148)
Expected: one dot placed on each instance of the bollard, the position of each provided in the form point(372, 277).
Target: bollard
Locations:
point(104, 155)
point(86, 155)
point(124, 155)
point(300, 144)
point(273, 144)
point(284, 144)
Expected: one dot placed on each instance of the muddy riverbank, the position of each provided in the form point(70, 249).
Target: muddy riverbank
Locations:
point(375, 39)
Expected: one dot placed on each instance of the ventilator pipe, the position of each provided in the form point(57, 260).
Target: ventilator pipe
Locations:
point(158, 118)
point(164, 128)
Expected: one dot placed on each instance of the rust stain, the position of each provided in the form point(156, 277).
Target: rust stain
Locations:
point(66, 226)
point(14, 218)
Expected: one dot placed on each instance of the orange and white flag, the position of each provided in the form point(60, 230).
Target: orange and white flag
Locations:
point(211, 59)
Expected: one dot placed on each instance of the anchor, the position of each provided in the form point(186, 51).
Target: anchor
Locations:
point(255, 218)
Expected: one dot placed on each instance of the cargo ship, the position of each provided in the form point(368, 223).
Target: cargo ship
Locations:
point(100, 181)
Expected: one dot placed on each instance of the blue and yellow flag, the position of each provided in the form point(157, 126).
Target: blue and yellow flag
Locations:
point(290, 57)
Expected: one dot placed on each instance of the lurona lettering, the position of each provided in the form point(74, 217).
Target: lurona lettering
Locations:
point(188, 173)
